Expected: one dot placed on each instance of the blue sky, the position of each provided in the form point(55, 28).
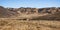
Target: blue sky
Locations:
point(30, 3)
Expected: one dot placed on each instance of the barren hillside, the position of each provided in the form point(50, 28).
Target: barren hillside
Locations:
point(51, 13)
point(29, 18)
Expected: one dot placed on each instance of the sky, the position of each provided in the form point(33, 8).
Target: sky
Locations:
point(30, 3)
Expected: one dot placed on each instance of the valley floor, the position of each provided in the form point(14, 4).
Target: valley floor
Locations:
point(29, 25)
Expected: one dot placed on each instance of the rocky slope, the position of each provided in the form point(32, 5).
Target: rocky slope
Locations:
point(33, 13)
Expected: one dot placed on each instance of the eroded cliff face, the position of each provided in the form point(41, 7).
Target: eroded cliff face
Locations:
point(51, 10)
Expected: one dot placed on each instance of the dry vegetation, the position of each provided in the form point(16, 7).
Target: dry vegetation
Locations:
point(9, 24)
point(29, 18)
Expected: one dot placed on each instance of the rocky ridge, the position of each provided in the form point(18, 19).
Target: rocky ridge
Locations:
point(51, 12)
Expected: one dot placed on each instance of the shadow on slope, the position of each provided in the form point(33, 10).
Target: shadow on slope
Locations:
point(55, 16)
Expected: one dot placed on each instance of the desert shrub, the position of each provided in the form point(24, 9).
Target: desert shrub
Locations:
point(2, 23)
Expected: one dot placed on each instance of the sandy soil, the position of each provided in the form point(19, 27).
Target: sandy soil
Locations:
point(29, 25)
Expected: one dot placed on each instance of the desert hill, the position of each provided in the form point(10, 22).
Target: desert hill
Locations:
point(30, 13)
point(38, 18)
